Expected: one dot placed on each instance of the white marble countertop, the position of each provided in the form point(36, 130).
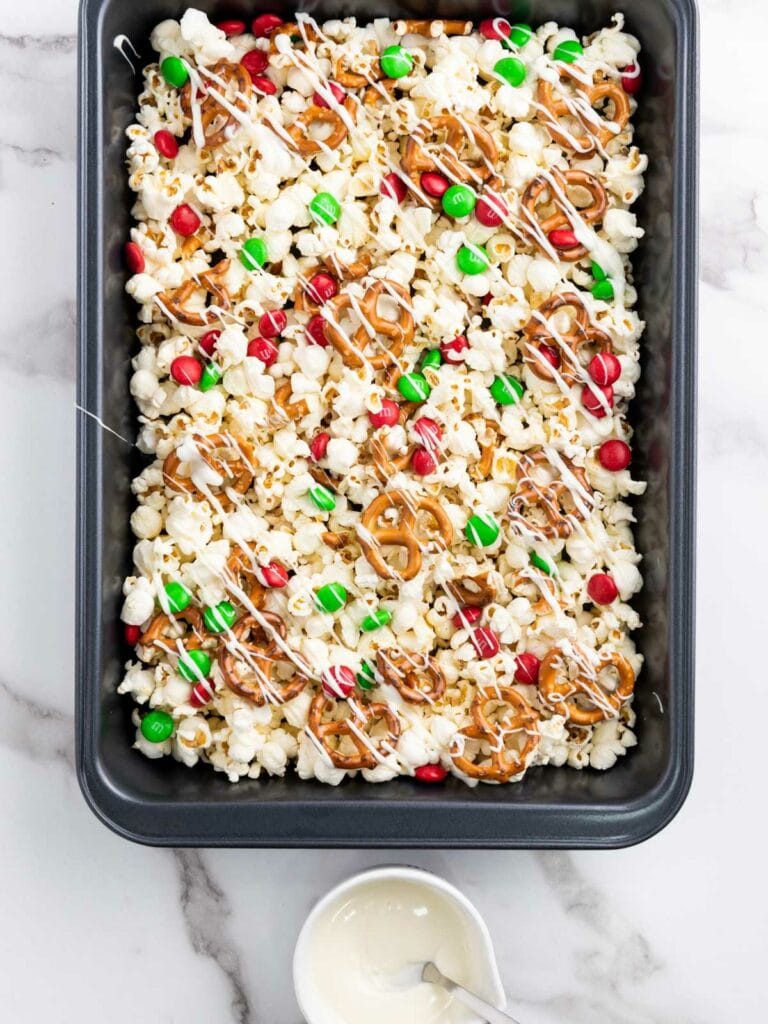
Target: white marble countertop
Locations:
point(672, 931)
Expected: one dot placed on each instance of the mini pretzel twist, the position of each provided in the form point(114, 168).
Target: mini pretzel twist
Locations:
point(482, 468)
point(400, 331)
point(581, 336)
point(303, 302)
point(299, 38)
point(500, 763)
point(299, 130)
point(459, 133)
point(193, 636)
point(374, 537)
point(431, 29)
point(416, 677)
point(249, 662)
point(362, 719)
point(538, 227)
point(291, 410)
point(554, 498)
point(567, 695)
point(350, 79)
point(473, 590)
point(219, 124)
point(581, 108)
point(237, 472)
point(241, 570)
point(212, 283)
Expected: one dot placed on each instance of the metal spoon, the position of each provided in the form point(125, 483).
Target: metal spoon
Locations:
point(431, 974)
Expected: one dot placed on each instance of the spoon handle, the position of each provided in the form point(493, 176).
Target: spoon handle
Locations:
point(485, 1010)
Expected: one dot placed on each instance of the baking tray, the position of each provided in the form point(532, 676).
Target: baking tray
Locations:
point(163, 803)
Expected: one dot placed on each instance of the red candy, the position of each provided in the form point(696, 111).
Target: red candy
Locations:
point(254, 62)
point(434, 184)
point(265, 24)
point(272, 323)
point(208, 341)
point(319, 445)
point(453, 351)
point(631, 79)
point(202, 694)
point(184, 220)
point(231, 27)
point(166, 144)
point(131, 634)
point(428, 432)
point(604, 368)
point(338, 682)
point(134, 258)
point(423, 462)
point(563, 238)
point(602, 588)
point(387, 416)
point(337, 92)
point(264, 349)
point(614, 455)
point(467, 616)
point(393, 187)
point(491, 210)
point(527, 667)
point(430, 773)
point(264, 85)
point(322, 287)
point(551, 355)
point(485, 642)
point(592, 402)
point(495, 28)
point(186, 370)
point(273, 575)
point(316, 331)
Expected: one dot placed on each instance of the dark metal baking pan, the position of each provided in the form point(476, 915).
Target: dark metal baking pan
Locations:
point(164, 803)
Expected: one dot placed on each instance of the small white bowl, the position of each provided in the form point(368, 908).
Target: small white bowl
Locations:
point(491, 988)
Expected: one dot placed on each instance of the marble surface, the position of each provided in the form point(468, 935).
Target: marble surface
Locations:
point(672, 931)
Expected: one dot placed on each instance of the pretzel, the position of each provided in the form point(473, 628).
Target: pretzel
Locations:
point(500, 764)
point(241, 569)
point(218, 123)
point(473, 590)
point(322, 476)
point(335, 540)
point(362, 716)
point(385, 466)
point(238, 473)
point(417, 161)
point(580, 335)
point(299, 130)
point(431, 29)
point(260, 658)
point(400, 331)
point(401, 535)
point(537, 228)
point(343, 74)
point(297, 37)
point(483, 466)
point(373, 94)
point(292, 410)
point(211, 281)
point(568, 696)
point(302, 293)
point(553, 497)
point(525, 581)
point(586, 94)
point(416, 677)
point(193, 637)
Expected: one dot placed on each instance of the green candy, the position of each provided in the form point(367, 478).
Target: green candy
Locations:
point(331, 597)
point(194, 664)
point(431, 358)
point(219, 617)
point(381, 617)
point(253, 254)
point(511, 69)
point(603, 290)
point(325, 208)
point(597, 272)
point(472, 259)
point(540, 564)
point(322, 498)
point(459, 201)
point(156, 726)
point(174, 71)
point(177, 598)
point(395, 62)
point(366, 677)
point(520, 34)
point(482, 529)
point(506, 389)
point(211, 377)
point(568, 51)
point(414, 387)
